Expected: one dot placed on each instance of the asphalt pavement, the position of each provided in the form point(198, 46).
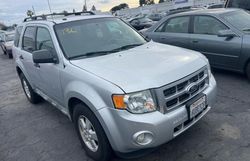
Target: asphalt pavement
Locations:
point(42, 133)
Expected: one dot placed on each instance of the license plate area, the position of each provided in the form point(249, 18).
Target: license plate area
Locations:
point(196, 106)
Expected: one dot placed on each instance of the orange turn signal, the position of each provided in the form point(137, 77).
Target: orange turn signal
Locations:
point(119, 102)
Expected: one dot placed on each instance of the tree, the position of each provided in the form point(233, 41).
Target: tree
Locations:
point(30, 13)
point(146, 2)
point(119, 7)
point(124, 5)
point(142, 2)
point(84, 9)
point(149, 2)
point(93, 8)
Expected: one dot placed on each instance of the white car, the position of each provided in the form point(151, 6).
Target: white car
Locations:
point(7, 41)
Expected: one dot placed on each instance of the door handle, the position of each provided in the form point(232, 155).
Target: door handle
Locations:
point(21, 57)
point(37, 65)
point(195, 41)
point(163, 38)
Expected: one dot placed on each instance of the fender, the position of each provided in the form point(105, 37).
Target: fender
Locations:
point(85, 93)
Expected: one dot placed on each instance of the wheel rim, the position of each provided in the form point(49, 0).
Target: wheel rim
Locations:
point(26, 89)
point(88, 133)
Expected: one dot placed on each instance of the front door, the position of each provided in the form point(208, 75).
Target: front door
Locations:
point(49, 82)
point(222, 52)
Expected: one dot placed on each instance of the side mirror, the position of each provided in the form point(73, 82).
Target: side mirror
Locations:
point(226, 33)
point(43, 56)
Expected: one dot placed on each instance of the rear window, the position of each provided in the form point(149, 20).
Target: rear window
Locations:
point(17, 35)
point(244, 4)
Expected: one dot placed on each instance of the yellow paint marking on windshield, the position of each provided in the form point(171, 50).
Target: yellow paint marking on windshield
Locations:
point(69, 31)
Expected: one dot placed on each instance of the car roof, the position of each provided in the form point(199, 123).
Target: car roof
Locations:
point(217, 11)
point(64, 19)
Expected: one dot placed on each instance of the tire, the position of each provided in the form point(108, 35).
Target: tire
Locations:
point(248, 71)
point(28, 91)
point(104, 150)
point(10, 55)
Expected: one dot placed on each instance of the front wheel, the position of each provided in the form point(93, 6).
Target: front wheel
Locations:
point(248, 71)
point(91, 134)
point(29, 92)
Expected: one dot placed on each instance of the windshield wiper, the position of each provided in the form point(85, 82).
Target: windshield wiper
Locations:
point(96, 53)
point(99, 53)
point(126, 47)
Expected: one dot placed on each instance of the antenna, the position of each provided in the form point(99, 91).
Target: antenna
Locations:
point(50, 8)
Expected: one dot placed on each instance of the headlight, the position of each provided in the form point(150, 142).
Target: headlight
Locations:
point(139, 102)
point(209, 70)
point(208, 65)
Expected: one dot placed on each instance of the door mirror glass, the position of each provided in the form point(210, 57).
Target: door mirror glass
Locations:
point(226, 33)
point(43, 56)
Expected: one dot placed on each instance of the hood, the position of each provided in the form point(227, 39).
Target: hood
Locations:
point(148, 66)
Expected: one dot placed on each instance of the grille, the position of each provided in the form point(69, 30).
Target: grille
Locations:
point(175, 94)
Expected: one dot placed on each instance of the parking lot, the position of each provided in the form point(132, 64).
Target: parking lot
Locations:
point(42, 133)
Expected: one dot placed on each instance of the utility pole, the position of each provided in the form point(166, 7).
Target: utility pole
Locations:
point(33, 10)
point(49, 7)
point(85, 5)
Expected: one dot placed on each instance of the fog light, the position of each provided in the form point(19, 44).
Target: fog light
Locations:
point(143, 137)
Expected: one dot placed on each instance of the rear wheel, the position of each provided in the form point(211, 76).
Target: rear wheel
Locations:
point(91, 134)
point(10, 55)
point(248, 71)
point(29, 92)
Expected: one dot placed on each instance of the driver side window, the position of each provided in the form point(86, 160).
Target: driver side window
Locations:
point(43, 40)
point(208, 25)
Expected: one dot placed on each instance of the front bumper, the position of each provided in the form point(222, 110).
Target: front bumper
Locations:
point(120, 126)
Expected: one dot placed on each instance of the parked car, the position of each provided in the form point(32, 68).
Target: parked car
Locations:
point(123, 93)
point(223, 35)
point(213, 6)
point(155, 16)
point(7, 40)
point(181, 10)
point(243, 4)
point(1, 40)
point(141, 22)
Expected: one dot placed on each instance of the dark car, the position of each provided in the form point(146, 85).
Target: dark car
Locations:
point(141, 23)
point(223, 35)
point(244, 4)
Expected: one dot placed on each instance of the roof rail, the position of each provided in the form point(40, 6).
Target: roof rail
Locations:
point(45, 16)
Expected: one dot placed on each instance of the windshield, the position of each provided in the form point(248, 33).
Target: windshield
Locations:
point(239, 19)
point(245, 4)
point(80, 38)
point(9, 37)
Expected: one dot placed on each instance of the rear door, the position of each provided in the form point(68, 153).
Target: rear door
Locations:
point(28, 46)
point(222, 52)
point(174, 31)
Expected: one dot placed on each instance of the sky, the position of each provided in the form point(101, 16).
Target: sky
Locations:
point(14, 11)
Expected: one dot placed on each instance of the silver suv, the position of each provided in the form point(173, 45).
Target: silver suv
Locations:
point(123, 93)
